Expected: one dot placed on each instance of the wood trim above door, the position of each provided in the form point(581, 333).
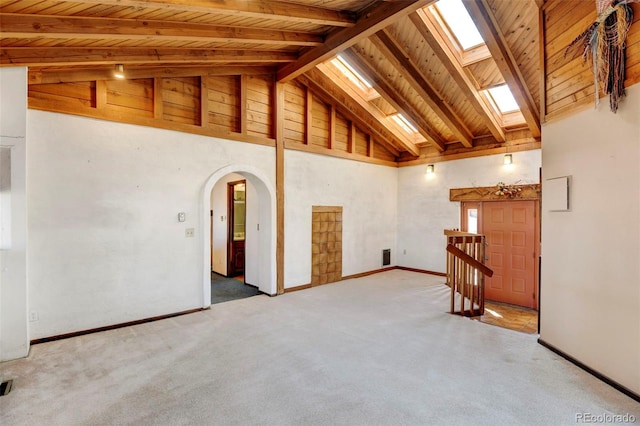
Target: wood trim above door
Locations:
point(488, 193)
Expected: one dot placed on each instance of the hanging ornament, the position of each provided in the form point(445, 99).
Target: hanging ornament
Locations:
point(604, 42)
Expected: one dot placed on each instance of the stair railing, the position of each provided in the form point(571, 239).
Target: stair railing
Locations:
point(466, 271)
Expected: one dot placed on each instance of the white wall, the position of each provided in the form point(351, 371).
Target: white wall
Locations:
point(590, 291)
point(368, 195)
point(5, 197)
point(14, 339)
point(424, 209)
point(105, 244)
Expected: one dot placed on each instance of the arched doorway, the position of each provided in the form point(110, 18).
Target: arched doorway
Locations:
point(264, 260)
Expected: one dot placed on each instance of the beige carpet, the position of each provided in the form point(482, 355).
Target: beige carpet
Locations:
point(375, 350)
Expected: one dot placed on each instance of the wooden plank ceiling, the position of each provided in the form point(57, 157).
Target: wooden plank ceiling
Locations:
point(401, 47)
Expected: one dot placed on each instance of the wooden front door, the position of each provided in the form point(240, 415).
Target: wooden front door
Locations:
point(510, 227)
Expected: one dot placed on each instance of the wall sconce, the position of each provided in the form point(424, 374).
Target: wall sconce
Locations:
point(431, 169)
point(119, 71)
point(507, 159)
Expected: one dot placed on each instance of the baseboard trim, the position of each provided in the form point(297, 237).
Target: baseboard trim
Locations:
point(112, 327)
point(191, 311)
point(631, 394)
point(366, 274)
point(297, 288)
point(422, 271)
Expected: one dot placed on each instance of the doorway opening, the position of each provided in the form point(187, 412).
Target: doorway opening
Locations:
point(236, 228)
point(229, 238)
point(512, 231)
point(239, 232)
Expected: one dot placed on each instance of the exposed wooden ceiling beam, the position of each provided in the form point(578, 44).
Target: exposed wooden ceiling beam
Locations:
point(105, 56)
point(45, 76)
point(405, 142)
point(390, 94)
point(427, 28)
point(55, 27)
point(332, 94)
point(263, 9)
point(405, 66)
point(372, 20)
point(486, 22)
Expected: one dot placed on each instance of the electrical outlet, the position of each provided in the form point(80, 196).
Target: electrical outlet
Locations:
point(189, 232)
point(33, 316)
point(404, 251)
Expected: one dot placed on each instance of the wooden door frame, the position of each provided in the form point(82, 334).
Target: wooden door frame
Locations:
point(231, 220)
point(530, 192)
point(536, 246)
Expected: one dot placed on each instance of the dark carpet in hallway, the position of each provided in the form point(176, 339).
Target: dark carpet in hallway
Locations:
point(224, 289)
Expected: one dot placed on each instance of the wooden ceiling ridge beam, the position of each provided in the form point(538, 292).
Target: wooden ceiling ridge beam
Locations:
point(330, 93)
point(489, 29)
point(392, 50)
point(372, 20)
point(390, 94)
point(111, 56)
point(427, 28)
point(59, 27)
point(261, 9)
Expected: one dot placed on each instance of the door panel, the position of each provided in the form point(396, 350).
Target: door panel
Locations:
point(510, 227)
point(326, 244)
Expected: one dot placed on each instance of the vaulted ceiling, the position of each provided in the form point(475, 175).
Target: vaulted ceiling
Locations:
point(403, 48)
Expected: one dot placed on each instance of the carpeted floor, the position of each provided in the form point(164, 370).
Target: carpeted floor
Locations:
point(375, 350)
point(224, 289)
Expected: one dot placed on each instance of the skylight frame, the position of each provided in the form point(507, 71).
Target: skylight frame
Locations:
point(501, 107)
point(335, 68)
point(351, 73)
point(451, 26)
point(353, 77)
point(465, 57)
point(510, 119)
point(404, 123)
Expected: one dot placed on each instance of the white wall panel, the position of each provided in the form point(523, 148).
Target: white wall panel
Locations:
point(105, 243)
point(368, 195)
point(590, 298)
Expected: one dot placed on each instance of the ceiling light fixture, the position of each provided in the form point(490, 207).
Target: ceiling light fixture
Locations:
point(119, 71)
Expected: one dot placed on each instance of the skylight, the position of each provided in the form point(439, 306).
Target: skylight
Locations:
point(503, 99)
point(406, 125)
point(460, 23)
point(351, 73)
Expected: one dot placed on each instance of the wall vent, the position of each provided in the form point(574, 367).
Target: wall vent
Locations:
point(386, 257)
point(5, 387)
